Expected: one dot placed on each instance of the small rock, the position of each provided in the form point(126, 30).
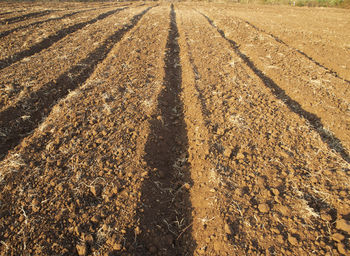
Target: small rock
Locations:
point(275, 230)
point(217, 246)
point(275, 191)
point(60, 187)
point(95, 219)
point(137, 231)
point(343, 193)
point(326, 217)
point(341, 248)
point(284, 210)
point(240, 156)
point(220, 131)
point(81, 248)
point(343, 225)
point(227, 229)
point(338, 237)
point(280, 239)
point(117, 247)
point(187, 186)
point(89, 238)
point(292, 240)
point(264, 208)
point(227, 152)
point(96, 190)
point(21, 218)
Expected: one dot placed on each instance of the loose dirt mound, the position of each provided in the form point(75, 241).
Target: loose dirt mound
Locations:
point(186, 129)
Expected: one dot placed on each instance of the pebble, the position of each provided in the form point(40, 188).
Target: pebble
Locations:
point(264, 208)
point(96, 190)
point(338, 237)
point(220, 131)
point(326, 217)
point(227, 229)
point(284, 210)
point(227, 152)
point(343, 225)
point(240, 156)
point(117, 247)
point(280, 239)
point(292, 240)
point(341, 248)
point(81, 248)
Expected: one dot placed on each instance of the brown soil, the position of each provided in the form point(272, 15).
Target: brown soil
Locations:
point(186, 129)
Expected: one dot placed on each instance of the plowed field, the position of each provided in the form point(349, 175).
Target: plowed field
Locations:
point(174, 129)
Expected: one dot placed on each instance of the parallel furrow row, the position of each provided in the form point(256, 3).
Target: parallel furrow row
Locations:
point(295, 49)
point(47, 42)
point(263, 155)
point(165, 215)
point(328, 137)
point(24, 17)
point(7, 32)
point(161, 131)
point(24, 116)
point(86, 177)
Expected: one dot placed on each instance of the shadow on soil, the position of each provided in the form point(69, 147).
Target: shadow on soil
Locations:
point(7, 32)
point(332, 141)
point(295, 49)
point(50, 40)
point(166, 218)
point(24, 17)
point(38, 104)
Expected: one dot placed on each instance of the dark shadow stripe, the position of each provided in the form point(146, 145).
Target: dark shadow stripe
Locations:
point(47, 42)
point(4, 13)
point(167, 212)
point(7, 32)
point(25, 17)
point(331, 140)
point(39, 103)
point(297, 50)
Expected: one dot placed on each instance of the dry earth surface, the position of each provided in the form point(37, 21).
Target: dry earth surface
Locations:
point(174, 129)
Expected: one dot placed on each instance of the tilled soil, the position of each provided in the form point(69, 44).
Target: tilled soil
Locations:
point(161, 129)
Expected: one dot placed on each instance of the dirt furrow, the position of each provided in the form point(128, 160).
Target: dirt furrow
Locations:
point(18, 80)
point(279, 189)
point(332, 120)
point(321, 34)
point(165, 209)
point(8, 29)
point(73, 187)
point(50, 40)
point(30, 34)
point(208, 225)
point(25, 17)
point(21, 118)
point(67, 15)
point(8, 12)
point(296, 50)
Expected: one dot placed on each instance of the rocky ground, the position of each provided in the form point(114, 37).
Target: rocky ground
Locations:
point(174, 129)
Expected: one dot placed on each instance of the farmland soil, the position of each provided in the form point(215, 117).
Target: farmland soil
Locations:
point(174, 129)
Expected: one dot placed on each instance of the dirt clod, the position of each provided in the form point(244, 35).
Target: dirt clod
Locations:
point(344, 225)
point(292, 240)
point(81, 249)
point(264, 208)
